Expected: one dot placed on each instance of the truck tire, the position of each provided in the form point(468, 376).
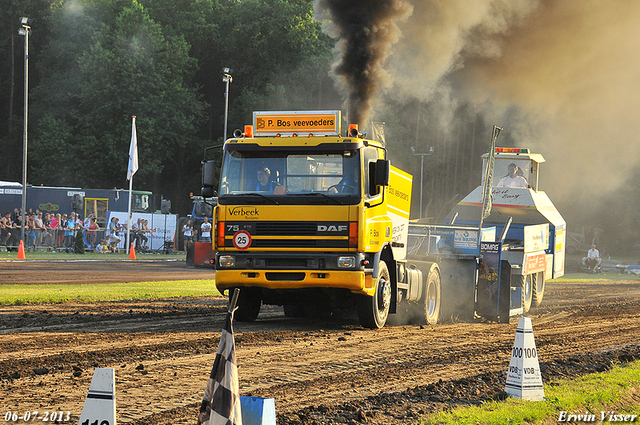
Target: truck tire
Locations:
point(432, 296)
point(248, 305)
point(538, 288)
point(526, 283)
point(374, 311)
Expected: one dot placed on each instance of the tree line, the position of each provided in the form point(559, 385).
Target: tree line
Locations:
point(95, 63)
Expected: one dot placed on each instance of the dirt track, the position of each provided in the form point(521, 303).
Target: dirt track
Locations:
point(319, 371)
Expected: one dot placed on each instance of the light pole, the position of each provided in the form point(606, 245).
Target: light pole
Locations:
point(25, 29)
point(422, 155)
point(227, 79)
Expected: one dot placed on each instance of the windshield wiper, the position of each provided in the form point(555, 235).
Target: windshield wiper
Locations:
point(338, 201)
point(241, 195)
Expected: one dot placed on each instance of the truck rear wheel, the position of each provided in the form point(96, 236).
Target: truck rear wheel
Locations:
point(374, 311)
point(538, 288)
point(432, 296)
point(526, 283)
point(248, 305)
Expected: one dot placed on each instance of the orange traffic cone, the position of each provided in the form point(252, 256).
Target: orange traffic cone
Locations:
point(21, 255)
point(132, 252)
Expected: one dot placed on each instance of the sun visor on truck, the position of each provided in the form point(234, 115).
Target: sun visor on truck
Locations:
point(339, 145)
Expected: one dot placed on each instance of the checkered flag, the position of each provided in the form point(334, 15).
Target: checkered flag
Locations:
point(221, 402)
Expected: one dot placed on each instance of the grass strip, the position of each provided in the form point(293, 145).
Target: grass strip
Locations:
point(56, 293)
point(590, 278)
point(591, 395)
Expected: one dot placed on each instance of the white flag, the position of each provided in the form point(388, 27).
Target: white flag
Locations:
point(133, 152)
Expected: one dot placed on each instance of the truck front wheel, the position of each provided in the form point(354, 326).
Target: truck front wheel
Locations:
point(248, 305)
point(432, 296)
point(373, 311)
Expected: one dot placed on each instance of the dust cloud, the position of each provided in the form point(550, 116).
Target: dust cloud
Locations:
point(570, 69)
point(561, 76)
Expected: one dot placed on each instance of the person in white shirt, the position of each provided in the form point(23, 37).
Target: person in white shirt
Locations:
point(205, 231)
point(187, 231)
point(512, 179)
point(114, 234)
point(592, 260)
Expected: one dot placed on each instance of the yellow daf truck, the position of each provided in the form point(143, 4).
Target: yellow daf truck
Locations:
point(310, 218)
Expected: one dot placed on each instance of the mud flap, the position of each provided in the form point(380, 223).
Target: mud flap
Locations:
point(493, 299)
point(190, 254)
point(458, 277)
point(516, 301)
point(505, 291)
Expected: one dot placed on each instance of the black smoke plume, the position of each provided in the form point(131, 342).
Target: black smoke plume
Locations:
point(366, 30)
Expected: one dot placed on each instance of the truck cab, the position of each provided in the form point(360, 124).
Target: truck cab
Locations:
point(303, 217)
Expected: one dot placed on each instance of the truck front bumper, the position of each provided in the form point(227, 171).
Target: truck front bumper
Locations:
point(294, 270)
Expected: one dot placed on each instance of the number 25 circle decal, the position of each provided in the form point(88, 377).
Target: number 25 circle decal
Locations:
point(242, 239)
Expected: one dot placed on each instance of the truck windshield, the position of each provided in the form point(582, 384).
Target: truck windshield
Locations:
point(285, 173)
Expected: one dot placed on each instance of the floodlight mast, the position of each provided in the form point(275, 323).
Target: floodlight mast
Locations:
point(25, 29)
point(422, 155)
point(227, 79)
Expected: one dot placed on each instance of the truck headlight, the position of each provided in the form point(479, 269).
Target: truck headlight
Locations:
point(227, 261)
point(346, 262)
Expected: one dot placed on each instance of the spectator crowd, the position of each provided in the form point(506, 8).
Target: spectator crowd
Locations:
point(67, 232)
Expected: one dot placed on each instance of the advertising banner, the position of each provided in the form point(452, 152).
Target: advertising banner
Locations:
point(489, 279)
point(162, 227)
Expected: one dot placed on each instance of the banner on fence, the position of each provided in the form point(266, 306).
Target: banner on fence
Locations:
point(162, 227)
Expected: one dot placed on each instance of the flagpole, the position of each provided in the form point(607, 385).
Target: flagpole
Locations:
point(132, 168)
point(129, 215)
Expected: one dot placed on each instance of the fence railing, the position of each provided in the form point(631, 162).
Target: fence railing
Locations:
point(51, 240)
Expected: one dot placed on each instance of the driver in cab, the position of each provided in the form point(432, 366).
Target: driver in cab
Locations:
point(512, 179)
point(348, 184)
point(266, 184)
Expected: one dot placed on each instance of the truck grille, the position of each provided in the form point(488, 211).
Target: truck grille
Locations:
point(280, 234)
point(286, 228)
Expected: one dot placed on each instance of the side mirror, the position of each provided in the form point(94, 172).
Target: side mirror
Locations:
point(383, 169)
point(208, 173)
point(208, 179)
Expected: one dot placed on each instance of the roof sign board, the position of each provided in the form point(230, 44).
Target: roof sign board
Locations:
point(318, 123)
